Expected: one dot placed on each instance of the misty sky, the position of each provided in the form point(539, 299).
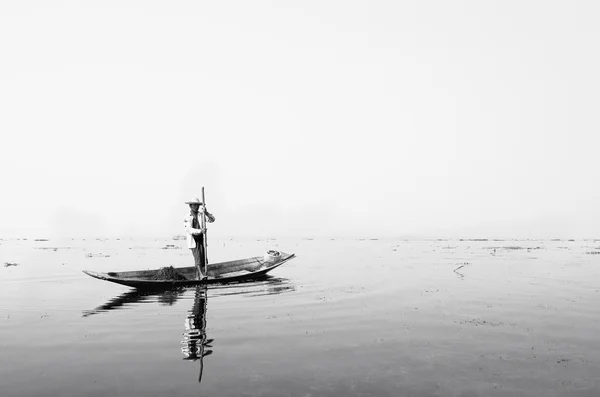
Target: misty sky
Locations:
point(300, 118)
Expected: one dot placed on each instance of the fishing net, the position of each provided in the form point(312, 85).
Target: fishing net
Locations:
point(168, 273)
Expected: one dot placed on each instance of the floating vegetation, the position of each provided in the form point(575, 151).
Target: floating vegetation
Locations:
point(513, 247)
point(168, 273)
point(97, 255)
point(9, 264)
point(477, 322)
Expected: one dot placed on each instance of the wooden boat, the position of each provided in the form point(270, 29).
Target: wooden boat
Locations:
point(223, 272)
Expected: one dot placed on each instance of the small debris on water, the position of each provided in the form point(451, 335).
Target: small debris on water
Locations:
point(460, 267)
point(168, 273)
point(171, 247)
point(8, 264)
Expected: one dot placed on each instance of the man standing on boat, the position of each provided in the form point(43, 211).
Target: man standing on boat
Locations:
point(195, 233)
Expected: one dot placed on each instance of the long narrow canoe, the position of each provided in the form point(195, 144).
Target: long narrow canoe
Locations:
point(223, 272)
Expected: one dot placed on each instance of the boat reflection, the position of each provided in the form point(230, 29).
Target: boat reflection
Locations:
point(128, 300)
point(165, 297)
point(195, 343)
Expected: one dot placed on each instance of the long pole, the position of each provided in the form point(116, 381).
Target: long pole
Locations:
point(204, 244)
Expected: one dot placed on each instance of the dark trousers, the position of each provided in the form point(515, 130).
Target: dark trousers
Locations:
point(199, 256)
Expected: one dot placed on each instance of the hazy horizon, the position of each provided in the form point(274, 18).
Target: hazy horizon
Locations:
point(354, 118)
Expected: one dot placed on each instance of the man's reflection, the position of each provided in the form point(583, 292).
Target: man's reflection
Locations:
point(194, 337)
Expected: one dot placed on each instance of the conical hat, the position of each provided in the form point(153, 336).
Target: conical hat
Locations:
point(195, 200)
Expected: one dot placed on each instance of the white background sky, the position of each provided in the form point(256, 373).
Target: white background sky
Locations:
point(300, 118)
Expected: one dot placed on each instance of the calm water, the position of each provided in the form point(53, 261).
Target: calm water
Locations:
point(345, 318)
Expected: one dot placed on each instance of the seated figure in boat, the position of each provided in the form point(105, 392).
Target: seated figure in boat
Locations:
point(195, 233)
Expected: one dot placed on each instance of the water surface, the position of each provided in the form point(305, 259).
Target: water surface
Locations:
point(345, 318)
